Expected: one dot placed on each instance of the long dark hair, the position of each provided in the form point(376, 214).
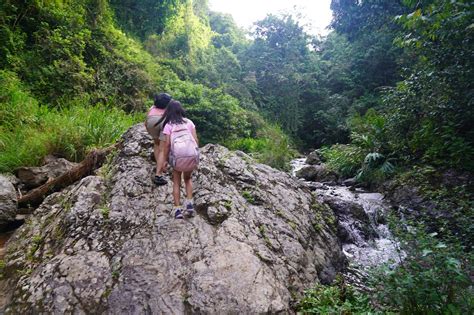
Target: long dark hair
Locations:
point(174, 113)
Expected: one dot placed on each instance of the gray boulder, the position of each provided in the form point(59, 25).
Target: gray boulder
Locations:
point(317, 173)
point(107, 244)
point(32, 177)
point(8, 199)
point(350, 182)
point(313, 158)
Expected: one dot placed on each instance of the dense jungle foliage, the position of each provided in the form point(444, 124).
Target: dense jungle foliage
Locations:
point(387, 94)
point(392, 84)
point(68, 60)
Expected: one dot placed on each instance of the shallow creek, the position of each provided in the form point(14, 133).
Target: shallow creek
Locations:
point(363, 250)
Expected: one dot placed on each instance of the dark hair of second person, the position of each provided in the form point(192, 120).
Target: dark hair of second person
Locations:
point(175, 113)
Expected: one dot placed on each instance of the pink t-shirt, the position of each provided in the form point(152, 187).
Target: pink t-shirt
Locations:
point(189, 124)
point(154, 111)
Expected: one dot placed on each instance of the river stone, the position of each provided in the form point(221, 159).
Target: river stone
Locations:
point(108, 245)
point(350, 182)
point(313, 158)
point(8, 199)
point(317, 173)
point(32, 177)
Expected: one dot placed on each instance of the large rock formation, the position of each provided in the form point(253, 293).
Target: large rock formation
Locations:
point(8, 200)
point(107, 244)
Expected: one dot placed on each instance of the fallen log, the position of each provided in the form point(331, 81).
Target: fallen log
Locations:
point(92, 161)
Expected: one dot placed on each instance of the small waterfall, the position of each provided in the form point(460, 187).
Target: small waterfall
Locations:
point(297, 164)
point(362, 227)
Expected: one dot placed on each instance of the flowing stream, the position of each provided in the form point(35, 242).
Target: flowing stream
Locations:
point(362, 227)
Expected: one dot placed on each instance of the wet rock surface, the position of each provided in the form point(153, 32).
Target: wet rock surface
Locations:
point(107, 245)
point(417, 201)
point(360, 220)
point(362, 226)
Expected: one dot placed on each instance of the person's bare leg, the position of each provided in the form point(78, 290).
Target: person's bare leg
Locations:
point(158, 158)
point(176, 187)
point(188, 184)
point(188, 203)
point(161, 161)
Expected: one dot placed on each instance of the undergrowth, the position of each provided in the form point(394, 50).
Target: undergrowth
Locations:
point(29, 130)
point(434, 277)
point(270, 146)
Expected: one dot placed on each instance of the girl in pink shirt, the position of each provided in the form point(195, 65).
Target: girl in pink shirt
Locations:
point(154, 126)
point(175, 116)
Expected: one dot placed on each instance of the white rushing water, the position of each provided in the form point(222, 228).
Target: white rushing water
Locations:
point(297, 164)
point(361, 251)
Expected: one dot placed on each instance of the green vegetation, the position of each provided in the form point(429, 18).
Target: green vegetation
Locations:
point(105, 211)
point(264, 235)
point(338, 298)
point(422, 115)
point(323, 214)
point(434, 277)
point(36, 242)
point(29, 131)
point(453, 203)
point(390, 86)
point(107, 169)
point(249, 196)
point(2, 269)
point(74, 80)
point(270, 146)
point(115, 274)
point(227, 204)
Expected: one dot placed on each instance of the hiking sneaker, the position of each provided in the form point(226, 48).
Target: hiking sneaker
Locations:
point(190, 210)
point(160, 180)
point(178, 213)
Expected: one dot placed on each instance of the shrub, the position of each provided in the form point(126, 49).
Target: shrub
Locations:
point(367, 157)
point(449, 196)
point(270, 146)
point(432, 279)
point(343, 159)
point(375, 168)
point(338, 298)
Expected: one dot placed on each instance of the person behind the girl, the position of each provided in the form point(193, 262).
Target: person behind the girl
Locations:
point(175, 116)
point(154, 126)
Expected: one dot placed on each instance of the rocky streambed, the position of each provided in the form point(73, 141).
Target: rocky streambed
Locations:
point(361, 220)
